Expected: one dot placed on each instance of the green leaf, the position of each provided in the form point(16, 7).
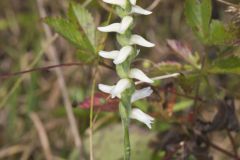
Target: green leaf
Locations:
point(219, 34)
point(206, 13)
point(198, 16)
point(86, 57)
point(69, 31)
point(226, 65)
point(86, 21)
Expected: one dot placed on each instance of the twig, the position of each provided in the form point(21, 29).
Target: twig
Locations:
point(7, 75)
point(106, 66)
point(208, 142)
point(53, 56)
point(225, 2)
point(221, 150)
point(11, 151)
point(42, 135)
point(233, 143)
point(26, 154)
point(154, 5)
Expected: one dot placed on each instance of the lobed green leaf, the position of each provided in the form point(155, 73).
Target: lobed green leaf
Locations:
point(226, 65)
point(69, 31)
point(86, 21)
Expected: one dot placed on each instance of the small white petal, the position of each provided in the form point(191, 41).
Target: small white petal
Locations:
point(121, 3)
point(105, 88)
point(142, 117)
point(136, 39)
point(138, 74)
point(121, 86)
point(133, 2)
point(109, 55)
point(140, 10)
point(123, 55)
point(115, 27)
point(125, 24)
point(140, 94)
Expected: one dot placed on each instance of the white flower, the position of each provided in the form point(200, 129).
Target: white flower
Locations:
point(117, 89)
point(118, 56)
point(140, 10)
point(121, 3)
point(142, 117)
point(118, 27)
point(109, 55)
point(105, 88)
point(115, 27)
point(138, 74)
point(139, 40)
point(140, 94)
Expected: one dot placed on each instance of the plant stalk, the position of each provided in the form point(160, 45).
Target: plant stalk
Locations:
point(124, 113)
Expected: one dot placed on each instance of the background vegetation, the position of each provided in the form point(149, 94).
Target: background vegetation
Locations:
point(45, 113)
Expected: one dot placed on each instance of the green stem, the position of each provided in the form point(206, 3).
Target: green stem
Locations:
point(124, 113)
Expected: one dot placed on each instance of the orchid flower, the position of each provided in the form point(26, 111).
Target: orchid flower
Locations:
point(117, 89)
point(142, 93)
point(118, 56)
point(138, 74)
point(139, 10)
point(118, 27)
point(139, 40)
point(121, 3)
point(142, 117)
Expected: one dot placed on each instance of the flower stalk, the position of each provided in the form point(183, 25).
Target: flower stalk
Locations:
point(122, 58)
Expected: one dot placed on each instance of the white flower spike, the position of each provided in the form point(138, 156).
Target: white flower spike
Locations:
point(142, 117)
point(140, 94)
point(139, 75)
point(118, 27)
point(140, 10)
point(121, 3)
point(139, 40)
point(118, 56)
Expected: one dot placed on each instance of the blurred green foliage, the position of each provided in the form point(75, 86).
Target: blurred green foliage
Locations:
point(210, 71)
